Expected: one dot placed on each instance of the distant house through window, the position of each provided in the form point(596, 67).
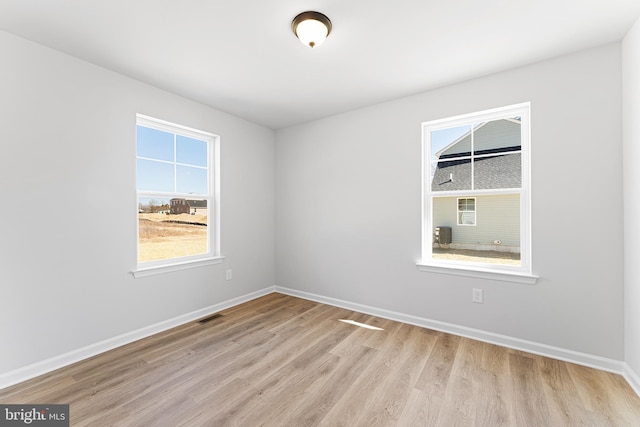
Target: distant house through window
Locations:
point(188, 206)
point(476, 183)
point(176, 187)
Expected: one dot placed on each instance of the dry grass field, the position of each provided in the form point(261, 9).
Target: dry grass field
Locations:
point(160, 239)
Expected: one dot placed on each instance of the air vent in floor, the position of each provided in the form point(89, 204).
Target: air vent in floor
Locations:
point(210, 318)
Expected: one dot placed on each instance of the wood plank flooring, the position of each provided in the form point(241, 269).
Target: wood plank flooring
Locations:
point(285, 361)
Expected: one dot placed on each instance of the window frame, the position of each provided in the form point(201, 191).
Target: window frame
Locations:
point(518, 274)
point(212, 256)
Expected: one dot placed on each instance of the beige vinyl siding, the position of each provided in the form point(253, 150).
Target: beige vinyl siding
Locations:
point(497, 134)
point(497, 218)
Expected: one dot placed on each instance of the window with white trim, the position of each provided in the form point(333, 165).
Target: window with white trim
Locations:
point(476, 183)
point(466, 211)
point(176, 183)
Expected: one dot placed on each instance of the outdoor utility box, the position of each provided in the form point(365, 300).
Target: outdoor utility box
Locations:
point(443, 235)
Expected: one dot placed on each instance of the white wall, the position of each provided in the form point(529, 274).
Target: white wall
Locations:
point(348, 207)
point(631, 150)
point(68, 216)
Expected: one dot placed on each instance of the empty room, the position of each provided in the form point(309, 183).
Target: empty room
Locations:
point(337, 213)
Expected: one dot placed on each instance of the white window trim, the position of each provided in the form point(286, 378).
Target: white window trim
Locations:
point(521, 274)
point(170, 268)
point(213, 205)
point(480, 272)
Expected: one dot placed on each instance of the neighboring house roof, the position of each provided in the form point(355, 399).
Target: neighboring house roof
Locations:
point(197, 203)
point(487, 136)
point(500, 169)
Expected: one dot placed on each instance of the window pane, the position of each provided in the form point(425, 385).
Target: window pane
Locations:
point(154, 144)
point(490, 234)
point(499, 170)
point(154, 176)
point(450, 158)
point(191, 180)
point(191, 151)
point(171, 228)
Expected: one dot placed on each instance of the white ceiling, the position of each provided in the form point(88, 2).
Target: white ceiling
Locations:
point(242, 57)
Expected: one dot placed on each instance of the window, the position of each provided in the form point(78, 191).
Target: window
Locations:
point(467, 211)
point(476, 183)
point(176, 193)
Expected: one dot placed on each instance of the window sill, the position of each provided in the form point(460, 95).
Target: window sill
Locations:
point(151, 271)
point(481, 273)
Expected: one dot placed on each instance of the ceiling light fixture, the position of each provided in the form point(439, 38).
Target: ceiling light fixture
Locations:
point(311, 28)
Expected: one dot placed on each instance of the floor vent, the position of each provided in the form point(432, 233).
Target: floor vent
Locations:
point(210, 318)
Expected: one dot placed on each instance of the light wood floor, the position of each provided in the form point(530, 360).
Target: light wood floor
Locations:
point(284, 361)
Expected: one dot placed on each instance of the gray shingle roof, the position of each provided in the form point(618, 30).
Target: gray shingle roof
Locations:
point(499, 171)
point(498, 142)
point(197, 203)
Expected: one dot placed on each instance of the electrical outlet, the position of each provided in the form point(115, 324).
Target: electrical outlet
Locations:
point(229, 275)
point(477, 296)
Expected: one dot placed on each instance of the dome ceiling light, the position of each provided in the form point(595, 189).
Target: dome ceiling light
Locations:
point(311, 28)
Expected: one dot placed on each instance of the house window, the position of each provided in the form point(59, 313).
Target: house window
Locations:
point(476, 183)
point(176, 182)
point(467, 211)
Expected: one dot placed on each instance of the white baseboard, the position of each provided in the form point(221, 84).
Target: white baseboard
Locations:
point(39, 368)
point(597, 362)
point(632, 378)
